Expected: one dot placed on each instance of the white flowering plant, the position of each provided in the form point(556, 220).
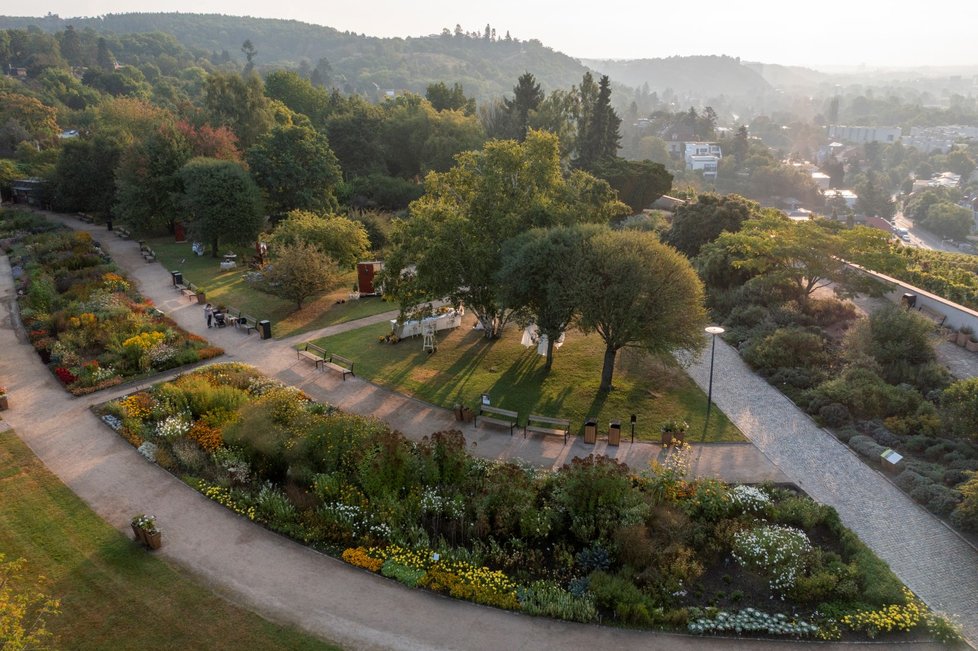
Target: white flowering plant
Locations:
point(172, 427)
point(779, 552)
point(750, 499)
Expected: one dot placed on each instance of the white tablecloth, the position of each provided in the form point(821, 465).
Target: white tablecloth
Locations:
point(445, 321)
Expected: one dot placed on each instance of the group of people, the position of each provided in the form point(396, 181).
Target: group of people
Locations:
point(215, 316)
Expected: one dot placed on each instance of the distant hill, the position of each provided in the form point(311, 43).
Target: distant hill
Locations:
point(787, 77)
point(697, 75)
point(485, 68)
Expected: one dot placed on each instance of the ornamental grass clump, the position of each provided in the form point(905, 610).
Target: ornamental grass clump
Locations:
point(775, 551)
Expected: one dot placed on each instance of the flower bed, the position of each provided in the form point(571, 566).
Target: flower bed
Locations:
point(592, 542)
point(86, 321)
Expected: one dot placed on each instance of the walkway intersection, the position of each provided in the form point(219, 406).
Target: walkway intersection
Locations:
point(291, 583)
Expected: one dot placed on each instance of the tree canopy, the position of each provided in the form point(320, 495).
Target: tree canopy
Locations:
point(700, 222)
point(452, 243)
point(637, 291)
point(223, 202)
point(296, 169)
point(342, 239)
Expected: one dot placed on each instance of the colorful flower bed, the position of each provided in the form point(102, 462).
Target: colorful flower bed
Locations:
point(593, 542)
point(86, 321)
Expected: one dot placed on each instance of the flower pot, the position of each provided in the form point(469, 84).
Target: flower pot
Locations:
point(3, 403)
point(680, 436)
point(963, 338)
point(666, 438)
point(952, 336)
point(154, 539)
point(138, 534)
point(971, 345)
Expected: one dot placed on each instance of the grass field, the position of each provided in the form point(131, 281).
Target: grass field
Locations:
point(230, 288)
point(466, 365)
point(114, 594)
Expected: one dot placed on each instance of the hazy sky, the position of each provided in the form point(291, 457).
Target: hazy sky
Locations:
point(820, 32)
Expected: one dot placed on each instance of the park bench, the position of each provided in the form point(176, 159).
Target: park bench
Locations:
point(192, 292)
point(497, 416)
point(547, 425)
point(123, 233)
point(149, 255)
point(88, 219)
point(313, 353)
point(246, 321)
point(339, 364)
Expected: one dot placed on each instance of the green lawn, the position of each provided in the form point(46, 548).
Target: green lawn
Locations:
point(114, 594)
point(230, 288)
point(465, 365)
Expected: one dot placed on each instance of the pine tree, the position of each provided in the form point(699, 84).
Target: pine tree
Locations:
point(527, 96)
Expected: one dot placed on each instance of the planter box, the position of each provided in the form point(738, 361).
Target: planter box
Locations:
point(680, 436)
point(666, 438)
point(154, 539)
point(963, 338)
point(971, 345)
point(138, 535)
point(4, 404)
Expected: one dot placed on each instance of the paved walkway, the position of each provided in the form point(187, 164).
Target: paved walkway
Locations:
point(358, 610)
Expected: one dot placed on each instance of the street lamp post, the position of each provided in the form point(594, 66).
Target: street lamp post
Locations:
point(713, 330)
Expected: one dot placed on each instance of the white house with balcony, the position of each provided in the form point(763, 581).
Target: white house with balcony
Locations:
point(703, 157)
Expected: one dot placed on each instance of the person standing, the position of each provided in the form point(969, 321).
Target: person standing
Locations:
point(209, 314)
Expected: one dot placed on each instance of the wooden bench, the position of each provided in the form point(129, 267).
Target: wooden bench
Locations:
point(547, 425)
point(88, 219)
point(497, 416)
point(313, 353)
point(149, 255)
point(248, 322)
point(123, 233)
point(189, 290)
point(339, 364)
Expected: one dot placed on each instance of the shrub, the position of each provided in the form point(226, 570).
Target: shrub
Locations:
point(881, 434)
point(937, 498)
point(550, 600)
point(620, 595)
point(834, 414)
point(909, 480)
point(800, 511)
point(965, 515)
point(798, 378)
point(189, 455)
point(791, 347)
point(596, 494)
point(867, 395)
point(866, 446)
point(904, 616)
point(959, 408)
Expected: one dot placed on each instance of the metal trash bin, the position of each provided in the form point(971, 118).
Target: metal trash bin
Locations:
point(177, 277)
point(265, 329)
point(614, 432)
point(590, 431)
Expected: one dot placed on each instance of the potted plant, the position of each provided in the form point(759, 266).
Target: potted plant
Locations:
point(4, 404)
point(972, 343)
point(673, 430)
point(144, 530)
point(964, 334)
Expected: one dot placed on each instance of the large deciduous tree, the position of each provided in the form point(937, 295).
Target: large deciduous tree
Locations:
point(84, 176)
point(297, 170)
point(636, 291)
point(452, 244)
point(240, 104)
point(341, 238)
point(300, 271)
point(638, 183)
point(223, 202)
point(530, 279)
